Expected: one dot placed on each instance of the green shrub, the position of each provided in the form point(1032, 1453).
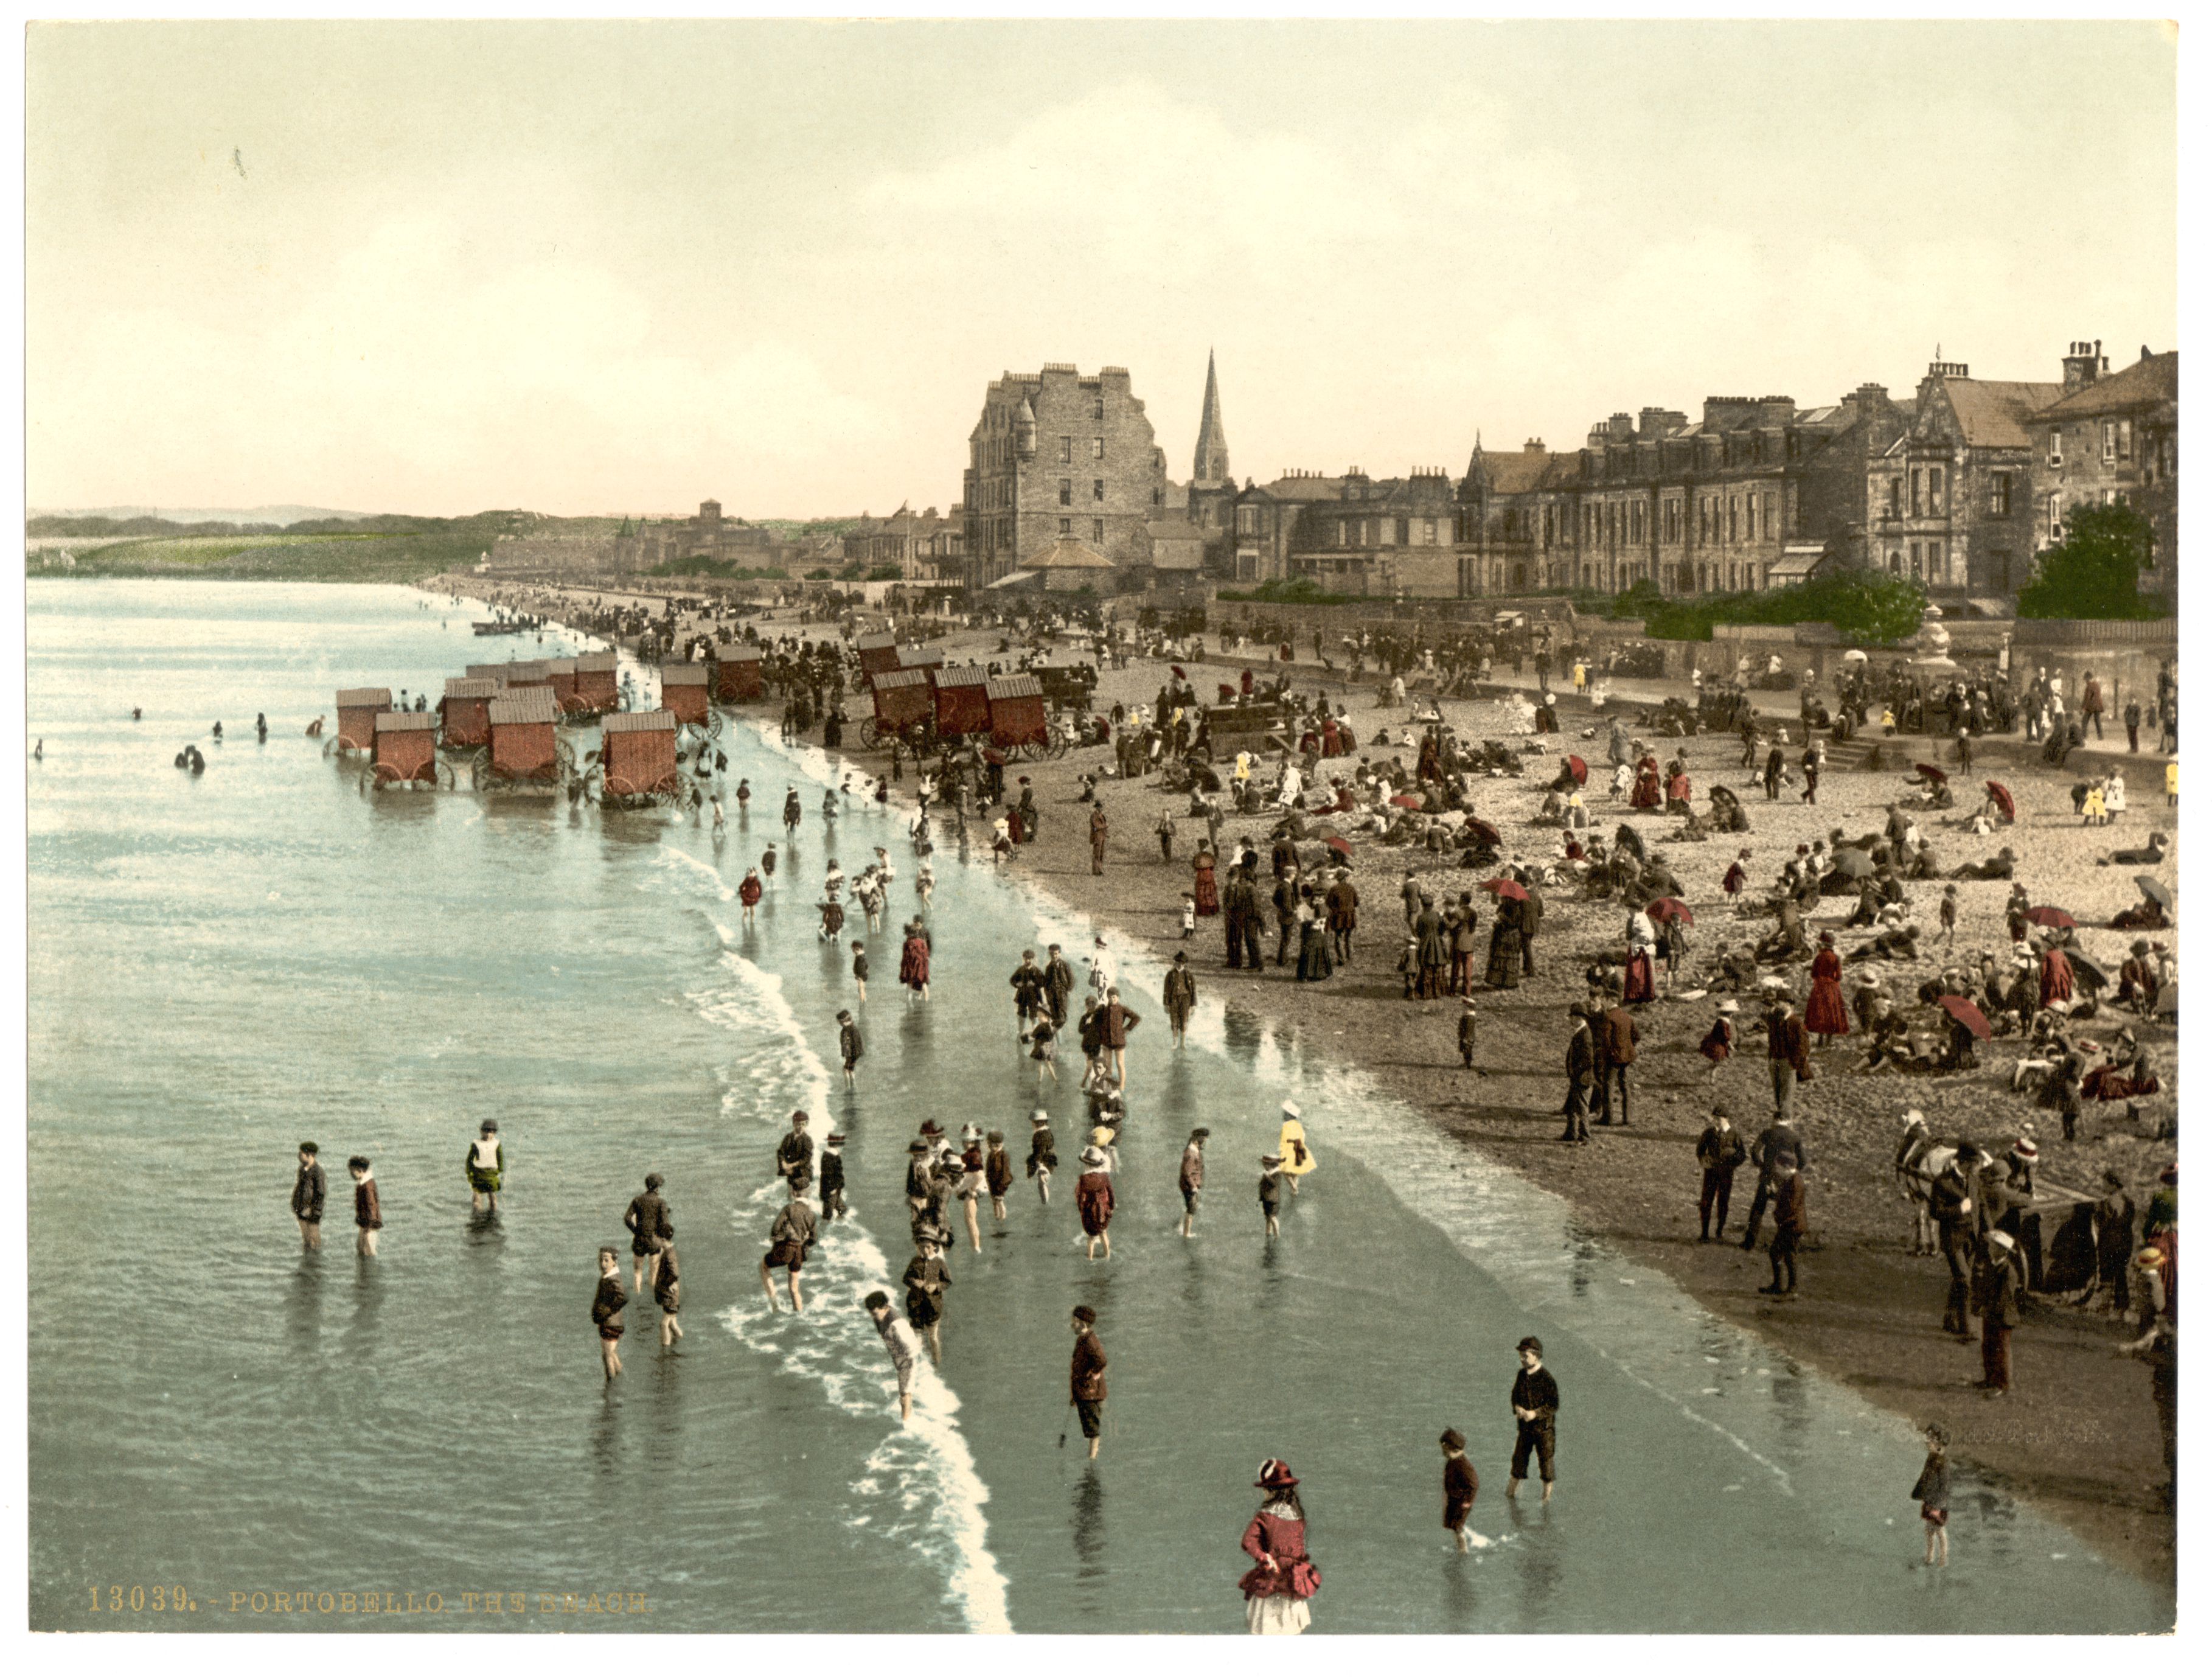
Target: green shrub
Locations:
point(2093, 572)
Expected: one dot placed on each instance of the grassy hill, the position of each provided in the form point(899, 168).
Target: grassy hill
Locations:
point(384, 548)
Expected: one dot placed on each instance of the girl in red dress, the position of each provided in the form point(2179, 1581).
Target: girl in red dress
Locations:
point(1825, 1016)
point(1646, 795)
point(1203, 897)
point(914, 961)
point(1277, 1590)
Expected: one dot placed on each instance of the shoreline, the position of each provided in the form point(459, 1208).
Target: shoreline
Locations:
point(2077, 1437)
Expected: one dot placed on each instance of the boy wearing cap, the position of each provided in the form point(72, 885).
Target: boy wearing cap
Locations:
point(1192, 1177)
point(1180, 995)
point(794, 1154)
point(1086, 1375)
point(1581, 1075)
point(899, 1340)
point(860, 970)
point(367, 1209)
point(1996, 1300)
point(848, 1042)
point(1043, 1157)
point(1270, 1191)
point(607, 1311)
point(998, 1173)
point(833, 1174)
point(788, 1238)
point(1460, 1487)
point(309, 1190)
point(1536, 1413)
point(926, 1280)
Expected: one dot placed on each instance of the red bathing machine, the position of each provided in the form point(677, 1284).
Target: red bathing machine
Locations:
point(596, 689)
point(523, 747)
point(496, 673)
point(683, 694)
point(467, 710)
point(737, 675)
point(880, 654)
point(638, 759)
point(358, 709)
point(406, 746)
point(1017, 712)
point(530, 672)
point(963, 702)
point(562, 677)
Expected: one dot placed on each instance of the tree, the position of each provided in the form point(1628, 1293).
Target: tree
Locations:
point(1872, 607)
point(2094, 571)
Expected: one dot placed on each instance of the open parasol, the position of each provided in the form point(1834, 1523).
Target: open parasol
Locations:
point(1579, 769)
point(1998, 790)
point(1968, 1015)
point(1342, 847)
point(2087, 972)
point(993, 754)
point(1854, 864)
point(1930, 773)
point(1179, 674)
point(2056, 919)
point(1482, 830)
point(2155, 891)
point(1854, 656)
point(1405, 800)
point(1672, 908)
point(1511, 890)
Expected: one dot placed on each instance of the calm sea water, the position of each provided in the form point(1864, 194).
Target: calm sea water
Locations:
point(222, 967)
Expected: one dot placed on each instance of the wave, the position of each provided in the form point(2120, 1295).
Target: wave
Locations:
point(921, 1485)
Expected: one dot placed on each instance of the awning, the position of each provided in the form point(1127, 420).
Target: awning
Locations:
point(1795, 564)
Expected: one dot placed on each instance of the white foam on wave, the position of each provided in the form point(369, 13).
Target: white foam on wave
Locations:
point(923, 1472)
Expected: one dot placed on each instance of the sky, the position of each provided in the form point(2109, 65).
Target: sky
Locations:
point(621, 268)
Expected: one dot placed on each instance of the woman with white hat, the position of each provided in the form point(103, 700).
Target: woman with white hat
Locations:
point(1277, 1590)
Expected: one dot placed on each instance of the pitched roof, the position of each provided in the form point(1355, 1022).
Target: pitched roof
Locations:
point(682, 675)
point(2152, 380)
point(591, 661)
point(1014, 687)
point(467, 687)
point(1518, 470)
point(353, 698)
point(639, 721)
point(404, 722)
point(523, 705)
point(1067, 553)
point(1995, 414)
point(962, 675)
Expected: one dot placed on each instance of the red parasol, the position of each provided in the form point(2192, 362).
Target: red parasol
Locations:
point(1179, 674)
point(1511, 890)
point(1930, 773)
point(1482, 830)
point(2050, 917)
point(1968, 1015)
point(1405, 800)
point(1579, 769)
point(1996, 789)
point(1339, 846)
point(993, 754)
point(1672, 908)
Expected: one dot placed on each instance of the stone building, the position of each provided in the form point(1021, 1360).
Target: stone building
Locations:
point(706, 536)
point(1353, 534)
point(1057, 455)
point(1948, 502)
point(2112, 436)
point(924, 546)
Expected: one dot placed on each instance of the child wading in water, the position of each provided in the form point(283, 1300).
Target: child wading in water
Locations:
point(1932, 1491)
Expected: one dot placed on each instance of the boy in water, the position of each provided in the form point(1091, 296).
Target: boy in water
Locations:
point(1932, 1491)
point(1270, 1191)
point(1043, 1157)
point(367, 1210)
point(788, 1238)
point(899, 1340)
point(998, 1174)
point(833, 1174)
point(768, 866)
point(607, 1311)
point(1460, 1487)
point(1535, 1411)
point(307, 1194)
point(1191, 1178)
point(668, 1293)
point(861, 969)
point(849, 1043)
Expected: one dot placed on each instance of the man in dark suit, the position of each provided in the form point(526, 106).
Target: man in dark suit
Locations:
point(1581, 1075)
point(1616, 1046)
point(1778, 1143)
point(1787, 1048)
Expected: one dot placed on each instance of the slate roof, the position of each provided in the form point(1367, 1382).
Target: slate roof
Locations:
point(2149, 382)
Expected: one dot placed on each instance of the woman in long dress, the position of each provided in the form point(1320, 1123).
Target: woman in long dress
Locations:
point(1646, 795)
point(1825, 1016)
point(1205, 898)
point(913, 962)
point(1316, 961)
point(1638, 984)
point(1291, 1146)
point(1276, 1541)
point(1503, 971)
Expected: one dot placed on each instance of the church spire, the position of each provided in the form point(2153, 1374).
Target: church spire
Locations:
point(1210, 461)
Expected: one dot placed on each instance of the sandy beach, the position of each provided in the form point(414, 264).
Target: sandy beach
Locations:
point(2078, 1435)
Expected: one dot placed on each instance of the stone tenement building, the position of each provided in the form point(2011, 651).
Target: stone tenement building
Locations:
point(2112, 436)
point(1057, 455)
point(925, 547)
point(708, 535)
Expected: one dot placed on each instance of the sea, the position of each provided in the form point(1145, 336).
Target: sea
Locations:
point(229, 1433)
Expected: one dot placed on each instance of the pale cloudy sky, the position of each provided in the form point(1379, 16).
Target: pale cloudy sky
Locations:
point(620, 268)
